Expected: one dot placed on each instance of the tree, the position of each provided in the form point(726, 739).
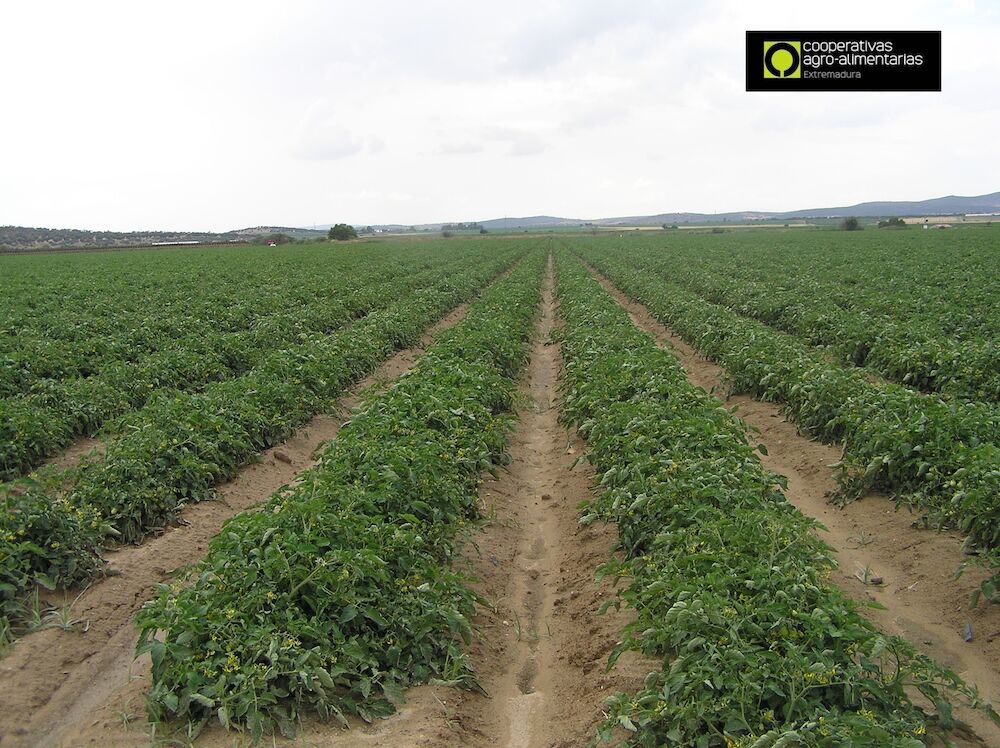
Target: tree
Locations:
point(850, 224)
point(470, 226)
point(342, 232)
point(892, 223)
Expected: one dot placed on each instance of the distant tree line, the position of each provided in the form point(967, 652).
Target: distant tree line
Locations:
point(892, 223)
point(471, 226)
point(23, 237)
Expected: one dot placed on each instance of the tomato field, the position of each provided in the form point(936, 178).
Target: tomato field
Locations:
point(531, 490)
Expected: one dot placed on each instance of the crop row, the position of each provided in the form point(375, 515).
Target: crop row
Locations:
point(340, 592)
point(40, 424)
point(728, 582)
point(73, 316)
point(180, 445)
point(941, 284)
point(940, 456)
point(895, 348)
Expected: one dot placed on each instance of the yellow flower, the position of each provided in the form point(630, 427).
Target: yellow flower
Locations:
point(232, 663)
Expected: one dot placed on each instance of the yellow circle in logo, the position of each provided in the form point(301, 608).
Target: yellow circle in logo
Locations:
point(782, 59)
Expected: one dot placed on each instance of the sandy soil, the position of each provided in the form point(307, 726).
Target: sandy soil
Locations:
point(541, 651)
point(923, 601)
point(73, 687)
point(545, 652)
point(85, 446)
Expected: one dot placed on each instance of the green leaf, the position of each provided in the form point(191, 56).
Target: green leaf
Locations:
point(203, 700)
point(393, 693)
point(169, 700)
point(349, 613)
point(324, 678)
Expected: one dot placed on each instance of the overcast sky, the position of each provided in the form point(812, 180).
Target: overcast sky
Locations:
point(219, 115)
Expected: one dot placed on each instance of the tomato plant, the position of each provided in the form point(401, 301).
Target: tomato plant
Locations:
point(728, 582)
point(339, 592)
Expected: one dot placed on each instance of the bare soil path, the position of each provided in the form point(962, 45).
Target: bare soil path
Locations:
point(542, 650)
point(57, 687)
point(543, 663)
point(923, 601)
point(81, 447)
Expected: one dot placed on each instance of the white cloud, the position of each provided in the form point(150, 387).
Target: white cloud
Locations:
point(322, 135)
point(459, 149)
point(444, 110)
point(525, 140)
point(327, 142)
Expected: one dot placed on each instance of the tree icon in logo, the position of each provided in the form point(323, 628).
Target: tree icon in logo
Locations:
point(782, 59)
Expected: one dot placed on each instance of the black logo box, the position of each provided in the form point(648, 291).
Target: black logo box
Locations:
point(926, 77)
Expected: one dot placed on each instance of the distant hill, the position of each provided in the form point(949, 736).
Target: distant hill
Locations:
point(295, 233)
point(21, 238)
point(24, 238)
point(530, 222)
point(939, 206)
